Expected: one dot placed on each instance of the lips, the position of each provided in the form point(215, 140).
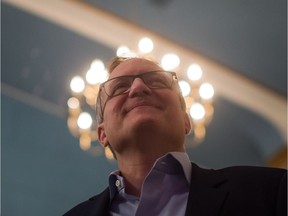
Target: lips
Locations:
point(140, 104)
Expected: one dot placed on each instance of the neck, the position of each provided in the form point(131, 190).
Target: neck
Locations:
point(134, 172)
point(135, 167)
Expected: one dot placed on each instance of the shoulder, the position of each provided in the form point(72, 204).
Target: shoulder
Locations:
point(258, 179)
point(242, 171)
point(251, 190)
point(98, 203)
point(254, 172)
point(241, 176)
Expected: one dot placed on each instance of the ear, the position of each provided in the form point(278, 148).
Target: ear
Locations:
point(187, 123)
point(102, 135)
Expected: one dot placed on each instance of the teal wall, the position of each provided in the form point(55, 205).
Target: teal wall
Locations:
point(44, 172)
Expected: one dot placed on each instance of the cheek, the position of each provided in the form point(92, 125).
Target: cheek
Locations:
point(176, 110)
point(175, 103)
point(113, 108)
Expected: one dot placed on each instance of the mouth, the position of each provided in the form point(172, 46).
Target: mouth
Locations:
point(140, 105)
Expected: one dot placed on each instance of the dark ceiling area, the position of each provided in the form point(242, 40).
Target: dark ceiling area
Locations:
point(44, 171)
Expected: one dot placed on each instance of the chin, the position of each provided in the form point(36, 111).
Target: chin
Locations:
point(144, 123)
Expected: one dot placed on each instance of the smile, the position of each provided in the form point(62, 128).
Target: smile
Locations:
point(139, 105)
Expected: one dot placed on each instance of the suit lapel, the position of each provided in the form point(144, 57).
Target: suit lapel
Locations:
point(207, 192)
point(99, 205)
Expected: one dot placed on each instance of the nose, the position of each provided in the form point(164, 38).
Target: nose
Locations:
point(139, 88)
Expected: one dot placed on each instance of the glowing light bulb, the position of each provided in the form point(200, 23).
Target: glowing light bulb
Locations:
point(206, 91)
point(185, 88)
point(194, 72)
point(77, 84)
point(94, 77)
point(73, 103)
point(91, 76)
point(145, 45)
point(103, 76)
point(84, 120)
point(122, 51)
point(170, 61)
point(197, 111)
point(97, 65)
point(94, 74)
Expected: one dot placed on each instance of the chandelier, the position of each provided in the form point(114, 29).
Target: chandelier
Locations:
point(197, 93)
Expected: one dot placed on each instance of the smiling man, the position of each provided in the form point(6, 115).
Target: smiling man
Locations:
point(141, 117)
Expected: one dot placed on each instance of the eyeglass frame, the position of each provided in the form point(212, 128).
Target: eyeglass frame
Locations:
point(102, 89)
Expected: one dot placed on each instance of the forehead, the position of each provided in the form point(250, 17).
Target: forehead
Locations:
point(133, 67)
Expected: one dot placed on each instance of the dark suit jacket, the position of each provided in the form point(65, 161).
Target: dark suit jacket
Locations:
point(232, 191)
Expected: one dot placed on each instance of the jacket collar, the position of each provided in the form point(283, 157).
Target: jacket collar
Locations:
point(98, 205)
point(207, 192)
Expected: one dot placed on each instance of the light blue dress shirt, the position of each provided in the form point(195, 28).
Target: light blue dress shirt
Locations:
point(164, 191)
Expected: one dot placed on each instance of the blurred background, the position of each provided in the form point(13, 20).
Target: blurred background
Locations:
point(241, 47)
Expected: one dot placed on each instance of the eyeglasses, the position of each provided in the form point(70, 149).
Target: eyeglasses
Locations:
point(153, 79)
point(121, 85)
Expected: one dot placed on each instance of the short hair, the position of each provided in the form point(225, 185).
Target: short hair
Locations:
point(115, 62)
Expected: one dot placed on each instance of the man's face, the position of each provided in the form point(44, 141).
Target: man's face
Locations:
point(142, 112)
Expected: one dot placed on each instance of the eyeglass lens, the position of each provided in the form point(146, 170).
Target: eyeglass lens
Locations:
point(120, 85)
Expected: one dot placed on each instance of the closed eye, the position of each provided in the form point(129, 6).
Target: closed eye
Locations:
point(157, 81)
point(119, 87)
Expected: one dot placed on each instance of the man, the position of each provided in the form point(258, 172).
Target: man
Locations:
point(142, 119)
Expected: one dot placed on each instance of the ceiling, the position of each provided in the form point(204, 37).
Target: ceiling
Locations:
point(241, 46)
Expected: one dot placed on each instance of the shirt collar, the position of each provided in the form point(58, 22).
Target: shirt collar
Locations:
point(116, 181)
point(183, 159)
